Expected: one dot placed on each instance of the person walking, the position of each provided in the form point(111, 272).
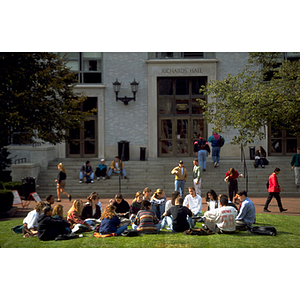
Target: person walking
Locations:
point(295, 163)
point(274, 190)
point(61, 182)
point(202, 149)
point(181, 175)
point(215, 139)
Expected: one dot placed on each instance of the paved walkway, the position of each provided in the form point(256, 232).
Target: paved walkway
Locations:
point(292, 204)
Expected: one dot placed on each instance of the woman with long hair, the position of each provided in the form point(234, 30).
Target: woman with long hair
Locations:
point(110, 223)
point(74, 214)
point(260, 157)
point(136, 205)
point(91, 209)
point(146, 219)
point(171, 202)
point(61, 182)
point(231, 177)
point(158, 202)
point(212, 200)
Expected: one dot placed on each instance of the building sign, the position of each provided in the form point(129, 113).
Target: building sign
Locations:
point(181, 70)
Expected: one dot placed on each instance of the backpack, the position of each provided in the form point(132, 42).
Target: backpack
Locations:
point(264, 230)
point(130, 232)
point(198, 231)
point(221, 141)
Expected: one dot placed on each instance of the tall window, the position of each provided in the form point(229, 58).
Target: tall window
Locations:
point(87, 64)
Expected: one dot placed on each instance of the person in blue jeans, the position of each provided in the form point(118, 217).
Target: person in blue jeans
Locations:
point(181, 176)
point(202, 149)
point(215, 153)
point(110, 223)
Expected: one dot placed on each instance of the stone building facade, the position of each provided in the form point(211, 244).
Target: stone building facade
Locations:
point(165, 118)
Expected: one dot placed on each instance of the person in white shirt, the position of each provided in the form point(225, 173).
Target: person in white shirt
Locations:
point(194, 203)
point(221, 220)
point(30, 223)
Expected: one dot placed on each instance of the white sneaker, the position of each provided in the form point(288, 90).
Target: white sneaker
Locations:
point(215, 164)
point(80, 181)
point(98, 178)
point(103, 178)
point(92, 181)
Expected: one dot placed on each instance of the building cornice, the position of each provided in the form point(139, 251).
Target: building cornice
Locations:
point(180, 61)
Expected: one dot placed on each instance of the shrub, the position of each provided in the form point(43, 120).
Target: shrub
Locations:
point(6, 200)
point(13, 185)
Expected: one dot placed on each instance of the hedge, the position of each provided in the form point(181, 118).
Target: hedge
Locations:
point(6, 200)
point(13, 185)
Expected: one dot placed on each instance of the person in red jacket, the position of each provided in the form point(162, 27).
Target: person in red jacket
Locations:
point(274, 190)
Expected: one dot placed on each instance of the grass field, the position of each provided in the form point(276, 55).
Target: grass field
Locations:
point(288, 236)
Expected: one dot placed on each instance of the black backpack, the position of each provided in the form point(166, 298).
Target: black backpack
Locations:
point(264, 230)
point(221, 141)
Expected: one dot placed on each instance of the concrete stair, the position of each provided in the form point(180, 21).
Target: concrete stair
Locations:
point(156, 173)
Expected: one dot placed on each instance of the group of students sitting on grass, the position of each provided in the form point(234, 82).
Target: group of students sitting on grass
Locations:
point(146, 214)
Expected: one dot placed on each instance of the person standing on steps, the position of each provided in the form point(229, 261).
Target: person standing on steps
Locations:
point(197, 176)
point(231, 177)
point(274, 190)
point(202, 149)
point(295, 163)
point(181, 175)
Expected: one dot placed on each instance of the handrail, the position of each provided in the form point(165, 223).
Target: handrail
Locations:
point(243, 159)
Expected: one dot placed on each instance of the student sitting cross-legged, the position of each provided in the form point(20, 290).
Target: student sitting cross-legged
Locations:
point(110, 222)
point(146, 219)
point(222, 219)
point(177, 217)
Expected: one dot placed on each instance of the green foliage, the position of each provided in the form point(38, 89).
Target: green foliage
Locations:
point(266, 91)
point(37, 97)
point(6, 200)
point(286, 226)
point(13, 185)
point(5, 162)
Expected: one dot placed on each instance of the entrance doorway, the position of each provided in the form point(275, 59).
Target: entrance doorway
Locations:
point(85, 138)
point(282, 142)
point(180, 115)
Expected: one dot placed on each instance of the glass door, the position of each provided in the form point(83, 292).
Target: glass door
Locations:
point(85, 138)
point(165, 137)
point(182, 137)
point(180, 116)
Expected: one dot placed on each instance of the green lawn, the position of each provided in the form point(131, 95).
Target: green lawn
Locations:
point(288, 236)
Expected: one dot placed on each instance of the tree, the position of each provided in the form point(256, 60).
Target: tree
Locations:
point(265, 92)
point(37, 97)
